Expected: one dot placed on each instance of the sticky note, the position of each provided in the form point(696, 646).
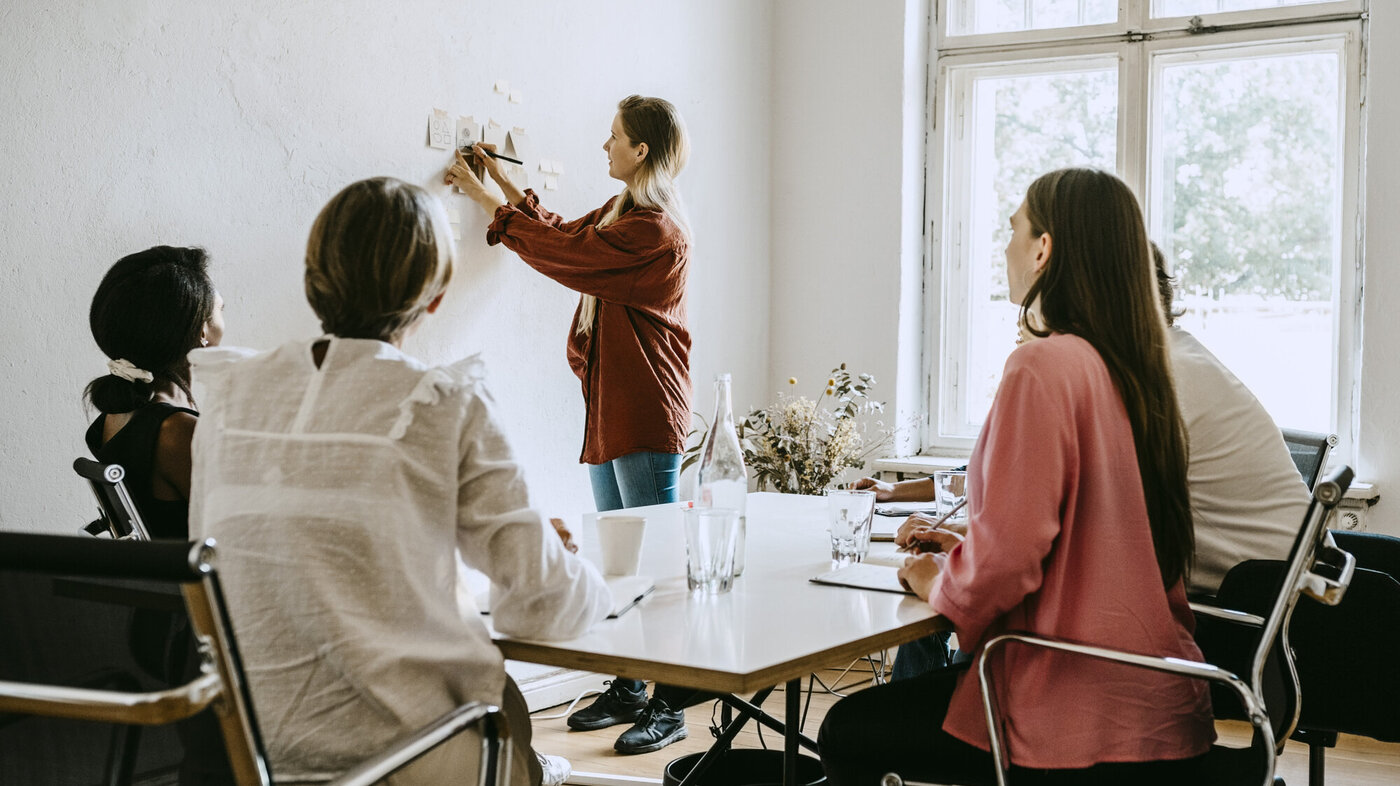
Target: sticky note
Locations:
point(516, 96)
point(517, 141)
point(551, 182)
point(494, 134)
point(468, 131)
point(440, 130)
point(502, 86)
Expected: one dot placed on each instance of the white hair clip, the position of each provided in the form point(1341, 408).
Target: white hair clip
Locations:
point(123, 368)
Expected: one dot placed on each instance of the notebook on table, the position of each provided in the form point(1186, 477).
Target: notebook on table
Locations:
point(883, 578)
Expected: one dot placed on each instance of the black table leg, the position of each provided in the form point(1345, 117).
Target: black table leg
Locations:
point(726, 738)
point(792, 732)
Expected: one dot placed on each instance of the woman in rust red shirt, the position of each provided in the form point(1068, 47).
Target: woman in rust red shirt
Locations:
point(628, 342)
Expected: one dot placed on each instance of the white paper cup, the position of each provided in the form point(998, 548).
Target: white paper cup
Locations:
point(620, 540)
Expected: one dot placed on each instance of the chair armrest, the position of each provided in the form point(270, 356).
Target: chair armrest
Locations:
point(1228, 615)
point(495, 740)
point(111, 706)
point(1253, 706)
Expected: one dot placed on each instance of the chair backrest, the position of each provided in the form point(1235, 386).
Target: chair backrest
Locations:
point(136, 571)
point(1309, 450)
point(173, 575)
point(1315, 568)
point(117, 513)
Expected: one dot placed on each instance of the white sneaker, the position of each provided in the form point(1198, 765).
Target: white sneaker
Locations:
point(556, 769)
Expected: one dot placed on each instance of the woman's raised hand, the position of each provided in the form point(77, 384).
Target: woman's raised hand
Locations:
point(460, 175)
point(490, 164)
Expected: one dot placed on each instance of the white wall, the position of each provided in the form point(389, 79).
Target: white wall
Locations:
point(848, 148)
point(126, 124)
point(1379, 448)
point(847, 157)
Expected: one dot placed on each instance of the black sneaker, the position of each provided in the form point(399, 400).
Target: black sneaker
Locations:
point(658, 727)
point(615, 705)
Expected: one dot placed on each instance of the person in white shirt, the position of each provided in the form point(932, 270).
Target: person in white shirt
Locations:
point(341, 478)
point(1247, 498)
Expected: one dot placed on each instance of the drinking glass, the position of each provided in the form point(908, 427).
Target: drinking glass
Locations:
point(849, 512)
point(950, 489)
point(710, 535)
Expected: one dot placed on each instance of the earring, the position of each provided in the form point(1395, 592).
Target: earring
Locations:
point(203, 342)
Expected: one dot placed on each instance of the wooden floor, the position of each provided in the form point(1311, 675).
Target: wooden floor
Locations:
point(1356, 761)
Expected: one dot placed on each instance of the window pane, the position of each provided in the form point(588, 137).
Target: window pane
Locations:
point(966, 17)
point(1162, 8)
point(1023, 126)
point(1247, 204)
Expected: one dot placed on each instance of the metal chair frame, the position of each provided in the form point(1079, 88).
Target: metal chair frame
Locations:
point(220, 684)
point(117, 513)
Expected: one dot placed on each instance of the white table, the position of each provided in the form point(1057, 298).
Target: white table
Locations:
point(774, 627)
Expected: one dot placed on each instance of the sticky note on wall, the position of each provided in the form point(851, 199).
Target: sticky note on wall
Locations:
point(494, 134)
point(468, 131)
point(440, 130)
point(517, 141)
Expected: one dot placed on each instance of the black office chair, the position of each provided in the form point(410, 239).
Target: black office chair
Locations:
point(1345, 654)
point(1268, 695)
point(116, 512)
point(140, 572)
point(1309, 450)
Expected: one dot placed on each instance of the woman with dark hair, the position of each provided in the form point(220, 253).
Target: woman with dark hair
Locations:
point(150, 310)
point(1079, 528)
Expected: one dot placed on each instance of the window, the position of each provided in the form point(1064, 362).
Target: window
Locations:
point(1235, 121)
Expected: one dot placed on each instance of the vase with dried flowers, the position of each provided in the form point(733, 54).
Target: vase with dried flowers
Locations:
point(799, 445)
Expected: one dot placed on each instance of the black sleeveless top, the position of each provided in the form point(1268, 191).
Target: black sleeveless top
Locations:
point(134, 447)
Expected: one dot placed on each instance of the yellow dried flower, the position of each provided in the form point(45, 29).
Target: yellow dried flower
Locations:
point(792, 380)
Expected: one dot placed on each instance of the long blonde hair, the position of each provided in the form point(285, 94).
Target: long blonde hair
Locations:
point(656, 122)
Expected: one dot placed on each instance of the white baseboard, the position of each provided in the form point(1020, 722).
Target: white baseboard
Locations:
point(548, 686)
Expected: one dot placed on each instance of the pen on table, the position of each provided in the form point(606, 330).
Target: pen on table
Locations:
point(469, 150)
point(940, 521)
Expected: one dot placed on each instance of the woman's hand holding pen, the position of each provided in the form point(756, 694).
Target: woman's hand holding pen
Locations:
point(460, 175)
point(486, 155)
point(482, 151)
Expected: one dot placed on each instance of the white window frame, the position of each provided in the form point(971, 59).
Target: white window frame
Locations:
point(1140, 51)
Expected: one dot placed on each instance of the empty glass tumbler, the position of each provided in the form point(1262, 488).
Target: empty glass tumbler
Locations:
point(710, 538)
point(849, 514)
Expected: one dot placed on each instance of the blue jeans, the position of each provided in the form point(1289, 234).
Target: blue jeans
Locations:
point(631, 481)
point(636, 479)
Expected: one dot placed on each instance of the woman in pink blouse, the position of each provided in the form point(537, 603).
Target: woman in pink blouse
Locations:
point(1079, 529)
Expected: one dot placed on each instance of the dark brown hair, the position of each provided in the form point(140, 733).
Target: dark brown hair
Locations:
point(1099, 284)
point(150, 309)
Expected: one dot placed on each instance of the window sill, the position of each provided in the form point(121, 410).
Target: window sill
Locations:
point(1360, 495)
point(916, 466)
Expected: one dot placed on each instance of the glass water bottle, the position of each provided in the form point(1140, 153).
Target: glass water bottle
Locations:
point(722, 481)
